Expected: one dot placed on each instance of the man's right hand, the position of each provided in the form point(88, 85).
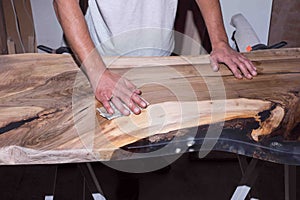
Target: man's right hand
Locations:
point(107, 86)
point(118, 90)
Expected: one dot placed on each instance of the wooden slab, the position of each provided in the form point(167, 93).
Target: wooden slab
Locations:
point(48, 111)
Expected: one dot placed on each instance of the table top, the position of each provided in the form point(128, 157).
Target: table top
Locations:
point(48, 111)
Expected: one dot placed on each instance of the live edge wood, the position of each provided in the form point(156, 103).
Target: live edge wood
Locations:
point(48, 111)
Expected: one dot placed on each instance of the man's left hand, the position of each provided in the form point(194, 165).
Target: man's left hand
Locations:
point(236, 62)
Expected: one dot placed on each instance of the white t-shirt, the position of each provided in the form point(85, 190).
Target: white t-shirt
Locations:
point(132, 27)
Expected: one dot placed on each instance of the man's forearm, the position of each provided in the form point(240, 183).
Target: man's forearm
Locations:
point(212, 15)
point(221, 51)
point(74, 26)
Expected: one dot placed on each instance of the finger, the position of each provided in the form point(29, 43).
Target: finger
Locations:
point(245, 59)
point(138, 91)
point(132, 87)
point(107, 106)
point(243, 69)
point(119, 105)
point(126, 96)
point(234, 69)
point(250, 66)
point(139, 101)
point(103, 98)
point(214, 63)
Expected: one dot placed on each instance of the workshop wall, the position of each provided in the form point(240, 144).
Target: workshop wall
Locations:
point(257, 12)
point(189, 21)
point(47, 28)
point(285, 23)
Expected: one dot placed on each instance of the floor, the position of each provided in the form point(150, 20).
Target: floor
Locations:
point(187, 179)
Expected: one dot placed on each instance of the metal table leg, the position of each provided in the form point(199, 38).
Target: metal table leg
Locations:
point(290, 182)
point(250, 172)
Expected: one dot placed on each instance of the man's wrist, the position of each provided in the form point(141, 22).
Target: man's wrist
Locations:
point(220, 44)
point(94, 68)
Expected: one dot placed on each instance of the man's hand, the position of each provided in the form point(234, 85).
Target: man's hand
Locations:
point(236, 62)
point(118, 90)
point(222, 53)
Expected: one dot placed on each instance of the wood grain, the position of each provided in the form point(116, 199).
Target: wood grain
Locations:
point(48, 111)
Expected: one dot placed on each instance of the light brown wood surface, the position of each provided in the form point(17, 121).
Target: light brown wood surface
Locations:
point(48, 111)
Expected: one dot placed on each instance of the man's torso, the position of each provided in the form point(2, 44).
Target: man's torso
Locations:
point(132, 27)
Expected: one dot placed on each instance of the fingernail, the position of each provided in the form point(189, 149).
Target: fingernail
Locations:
point(144, 105)
point(111, 111)
point(126, 112)
point(137, 91)
point(249, 76)
point(136, 110)
point(254, 73)
point(147, 103)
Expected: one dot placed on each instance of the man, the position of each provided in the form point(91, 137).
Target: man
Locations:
point(135, 24)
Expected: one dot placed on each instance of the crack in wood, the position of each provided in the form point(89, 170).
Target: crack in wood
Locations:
point(270, 120)
point(264, 115)
point(17, 124)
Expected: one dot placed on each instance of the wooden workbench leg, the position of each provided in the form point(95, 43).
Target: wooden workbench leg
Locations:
point(290, 182)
